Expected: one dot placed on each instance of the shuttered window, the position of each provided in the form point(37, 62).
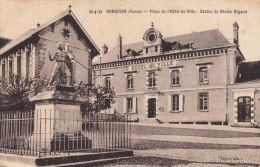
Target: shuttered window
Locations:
point(129, 105)
point(175, 103)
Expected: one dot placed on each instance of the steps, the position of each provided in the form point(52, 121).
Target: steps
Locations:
point(244, 124)
point(152, 121)
point(62, 160)
point(92, 163)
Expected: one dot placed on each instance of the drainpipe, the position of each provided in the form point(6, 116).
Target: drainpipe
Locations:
point(226, 86)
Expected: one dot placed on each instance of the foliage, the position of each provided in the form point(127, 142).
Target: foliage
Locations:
point(97, 98)
point(15, 92)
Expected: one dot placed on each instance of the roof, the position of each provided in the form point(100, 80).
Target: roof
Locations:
point(4, 41)
point(201, 40)
point(31, 32)
point(248, 72)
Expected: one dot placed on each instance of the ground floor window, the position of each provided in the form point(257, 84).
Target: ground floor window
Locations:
point(175, 103)
point(244, 109)
point(203, 102)
point(107, 103)
point(129, 105)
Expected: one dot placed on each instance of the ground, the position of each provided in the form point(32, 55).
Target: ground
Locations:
point(193, 146)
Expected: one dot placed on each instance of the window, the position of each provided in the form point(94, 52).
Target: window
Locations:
point(146, 50)
point(203, 75)
point(52, 27)
point(10, 68)
point(28, 62)
point(107, 82)
point(107, 103)
point(19, 65)
point(203, 102)
point(79, 36)
point(156, 48)
point(129, 105)
point(151, 37)
point(3, 70)
point(175, 78)
point(175, 103)
point(151, 79)
point(130, 82)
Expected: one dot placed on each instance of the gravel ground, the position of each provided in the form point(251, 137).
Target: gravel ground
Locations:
point(238, 156)
point(182, 146)
point(167, 162)
point(158, 144)
point(183, 130)
point(147, 161)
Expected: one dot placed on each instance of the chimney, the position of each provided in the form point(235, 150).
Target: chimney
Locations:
point(235, 33)
point(104, 49)
point(120, 46)
point(38, 24)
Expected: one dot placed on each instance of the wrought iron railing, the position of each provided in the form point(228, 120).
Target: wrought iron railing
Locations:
point(47, 132)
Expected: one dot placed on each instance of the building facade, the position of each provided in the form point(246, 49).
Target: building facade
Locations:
point(28, 55)
point(180, 79)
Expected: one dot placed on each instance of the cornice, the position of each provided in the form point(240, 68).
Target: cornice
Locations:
point(186, 55)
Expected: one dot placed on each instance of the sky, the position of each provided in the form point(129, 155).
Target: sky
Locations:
point(18, 16)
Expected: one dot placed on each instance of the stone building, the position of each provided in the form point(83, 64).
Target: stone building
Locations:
point(191, 78)
point(28, 55)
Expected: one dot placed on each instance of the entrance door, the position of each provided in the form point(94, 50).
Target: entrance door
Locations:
point(152, 108)
point(244, 109)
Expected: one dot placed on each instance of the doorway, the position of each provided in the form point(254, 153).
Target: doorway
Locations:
point(152, 108)
point(244, 109)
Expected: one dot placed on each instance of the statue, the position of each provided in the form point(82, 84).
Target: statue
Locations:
point(61, 74)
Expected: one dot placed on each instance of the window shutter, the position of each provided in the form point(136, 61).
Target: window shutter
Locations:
point(134, 105)
point(170, 103)
point(181, 102)
point(124, 105)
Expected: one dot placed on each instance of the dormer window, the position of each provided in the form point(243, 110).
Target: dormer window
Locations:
point(152, 41)
point(131, 52)
point(151, 37)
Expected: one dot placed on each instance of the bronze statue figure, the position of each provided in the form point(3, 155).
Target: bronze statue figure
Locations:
point(61, 74)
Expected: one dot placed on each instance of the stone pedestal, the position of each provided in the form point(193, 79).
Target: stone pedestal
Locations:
point(58, 121)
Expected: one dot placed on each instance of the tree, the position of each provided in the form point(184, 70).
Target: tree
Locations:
point(16, 91)
point(15, 94)
point(97, 98)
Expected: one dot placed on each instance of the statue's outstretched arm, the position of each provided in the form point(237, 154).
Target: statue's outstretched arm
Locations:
point(70, 56)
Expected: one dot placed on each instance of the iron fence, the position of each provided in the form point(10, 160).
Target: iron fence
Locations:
point(51, 132)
